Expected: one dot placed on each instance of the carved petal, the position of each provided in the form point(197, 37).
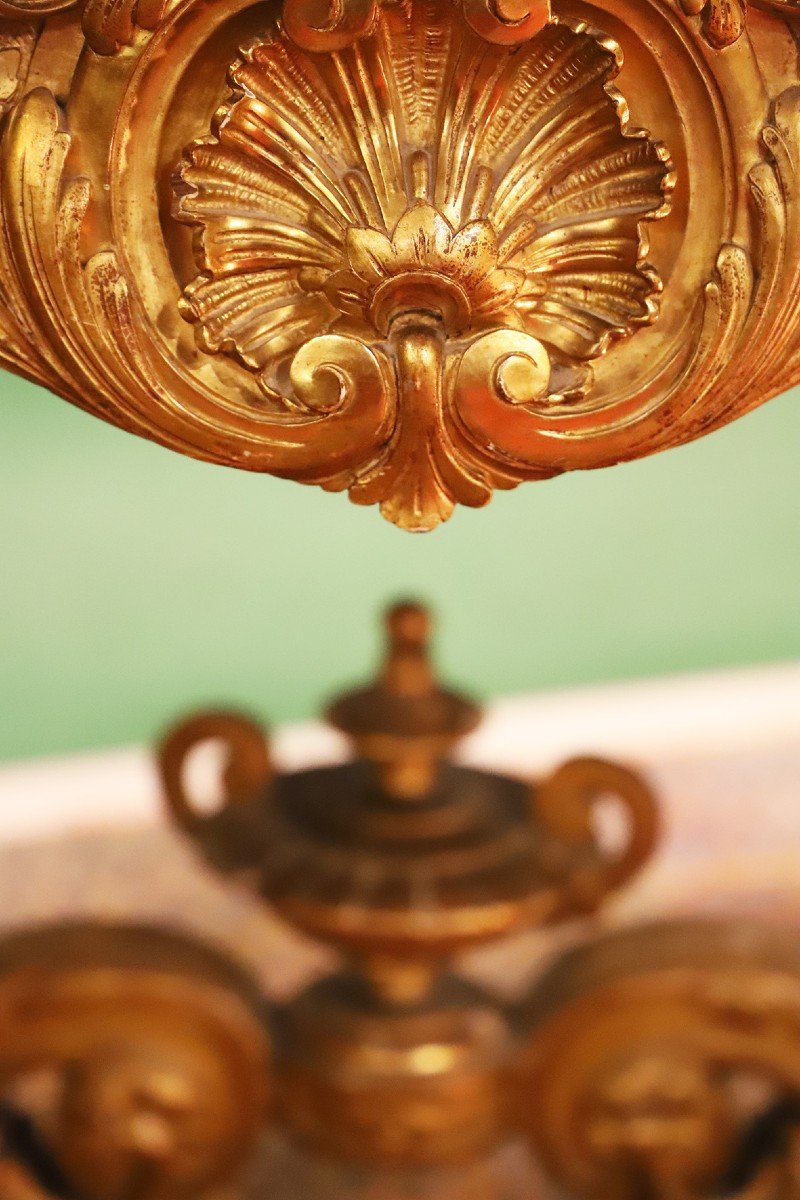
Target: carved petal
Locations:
point(372, 256)
point(497, 291)
point(422, 236)
point(346, 292)
point(476, 244)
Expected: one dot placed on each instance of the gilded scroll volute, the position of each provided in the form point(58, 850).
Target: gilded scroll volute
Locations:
point(146, 1059)
point(656, 1063)
point(415, 251)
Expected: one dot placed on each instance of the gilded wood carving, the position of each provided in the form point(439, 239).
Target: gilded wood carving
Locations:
point(417, 250)
point(143, 1057)
point(668, 1058)
point(658, 1063)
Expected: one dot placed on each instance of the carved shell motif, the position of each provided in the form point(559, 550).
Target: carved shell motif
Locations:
point(456, 222)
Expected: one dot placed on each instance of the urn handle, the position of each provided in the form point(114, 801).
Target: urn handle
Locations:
point(567, 804)
point(247, 766)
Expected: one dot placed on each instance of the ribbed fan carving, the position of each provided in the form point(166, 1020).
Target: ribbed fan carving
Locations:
point(424, 176)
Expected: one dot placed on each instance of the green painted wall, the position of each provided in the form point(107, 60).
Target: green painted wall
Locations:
point(136, 583)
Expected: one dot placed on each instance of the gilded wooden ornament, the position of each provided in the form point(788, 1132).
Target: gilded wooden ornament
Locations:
point(417, 251)
point(656, 1056)
point(445, 281)
point(660, 1063)
point(155, 1052)
point(399, 860)
point(402, 855)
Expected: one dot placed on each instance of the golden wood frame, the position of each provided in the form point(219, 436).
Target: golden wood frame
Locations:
point(416, 250)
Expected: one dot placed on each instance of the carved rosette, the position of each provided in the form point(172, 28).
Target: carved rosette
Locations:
point(414, 251)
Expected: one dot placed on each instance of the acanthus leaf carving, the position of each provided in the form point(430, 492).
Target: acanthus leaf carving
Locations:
point(746, 346)
point(65, 323)
point(108, 25)
point(74, 326)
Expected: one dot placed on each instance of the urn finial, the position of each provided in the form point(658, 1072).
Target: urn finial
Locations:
point(406, 721)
